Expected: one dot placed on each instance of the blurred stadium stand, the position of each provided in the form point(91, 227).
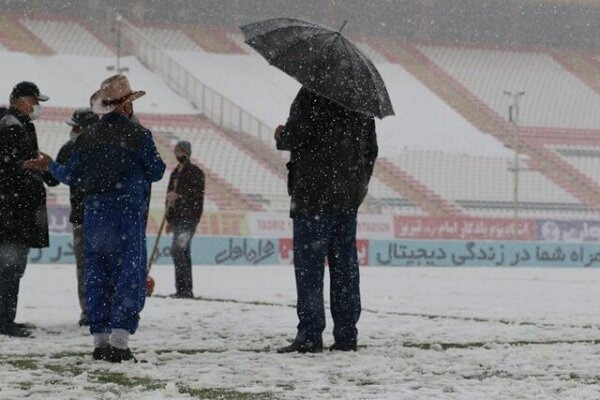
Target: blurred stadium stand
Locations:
point(465, 52)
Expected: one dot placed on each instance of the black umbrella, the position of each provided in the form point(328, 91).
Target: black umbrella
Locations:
point(323, 61)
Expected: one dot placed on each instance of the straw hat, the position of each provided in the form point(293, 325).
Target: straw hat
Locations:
point(113, 92)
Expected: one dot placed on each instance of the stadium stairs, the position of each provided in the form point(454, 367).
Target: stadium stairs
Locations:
point(580, 65)
point(213, 39)
point(413, 190)
point(486, 120)
point(14, 36)
point(218, 190)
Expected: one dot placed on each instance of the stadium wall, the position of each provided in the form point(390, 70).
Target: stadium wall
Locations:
point(383, 240)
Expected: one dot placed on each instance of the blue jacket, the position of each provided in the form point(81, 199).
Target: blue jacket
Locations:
point(113, 163)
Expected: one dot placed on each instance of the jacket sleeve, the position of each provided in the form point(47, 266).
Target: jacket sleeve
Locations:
point(154, 166)
point(49, 180)
point(372, 149)
point(67, 172)
point(298, 123)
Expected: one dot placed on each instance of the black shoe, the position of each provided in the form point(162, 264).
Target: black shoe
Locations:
point(117, 355)
point(25, 325)
point(182, 296)
point(83, 322)
point(343, 347)
point(15, 330)
point(304, 347)
point(101, 353)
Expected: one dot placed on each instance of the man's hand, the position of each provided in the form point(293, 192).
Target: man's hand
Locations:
point(40, 163)
point(278, 132)
point(172, 196)
point(168, 228)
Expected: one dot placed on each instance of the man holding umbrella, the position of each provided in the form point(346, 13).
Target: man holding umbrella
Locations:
point(330, 134)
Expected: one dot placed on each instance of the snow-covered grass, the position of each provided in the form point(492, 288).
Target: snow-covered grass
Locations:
point(431, 333)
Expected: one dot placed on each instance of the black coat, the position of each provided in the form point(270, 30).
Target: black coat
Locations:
point(189, 184)
point(23, 214)
point(75, 191)
point(333, 151)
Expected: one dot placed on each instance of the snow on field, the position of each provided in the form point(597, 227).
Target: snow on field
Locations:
point(71, 80)
point(432, 333)
point(422, 122)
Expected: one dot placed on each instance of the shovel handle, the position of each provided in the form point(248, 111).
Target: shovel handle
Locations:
point(155, 247)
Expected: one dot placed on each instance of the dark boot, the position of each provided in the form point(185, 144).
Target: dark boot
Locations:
point(343, 347)
point(117, 355)
point(302, 347)
point(101, 353)
point(12, 329)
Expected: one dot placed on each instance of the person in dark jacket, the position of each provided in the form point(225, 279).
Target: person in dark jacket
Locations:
point(23, 214)
point(81, 120)
point(113, 164)
point(185, 200)
point(333, 151)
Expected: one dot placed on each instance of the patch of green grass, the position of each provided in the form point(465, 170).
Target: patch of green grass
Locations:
point(366, 382)
point(190, 351)
point(119, 378)
point(25, 386)
point(223, 394)
point(23, 363)
point(63, 369)
point(286, 386)
point(65, 354)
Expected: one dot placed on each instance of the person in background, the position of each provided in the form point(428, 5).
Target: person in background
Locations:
point(113, 164)
point(23, 214)
point(81, 121)
point(185, 200)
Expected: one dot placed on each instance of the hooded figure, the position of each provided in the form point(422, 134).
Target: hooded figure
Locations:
point(23, 214)
point(113, 164)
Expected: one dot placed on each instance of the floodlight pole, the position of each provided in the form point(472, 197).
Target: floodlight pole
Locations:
point(117, 68)
point(513, 119)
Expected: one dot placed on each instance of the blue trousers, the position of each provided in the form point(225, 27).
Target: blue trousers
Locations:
point(115, 270)
point(332, 236)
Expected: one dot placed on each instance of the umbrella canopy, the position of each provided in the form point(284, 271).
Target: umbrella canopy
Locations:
point(323, 61)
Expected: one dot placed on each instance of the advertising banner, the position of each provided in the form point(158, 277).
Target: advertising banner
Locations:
point(568, 231)
point(467, 228)
point(482, 254)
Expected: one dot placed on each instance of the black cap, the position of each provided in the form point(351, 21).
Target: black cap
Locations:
point(185, 146)
point(83, 117)
point(23, 89)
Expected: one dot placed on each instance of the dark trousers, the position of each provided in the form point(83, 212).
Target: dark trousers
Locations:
point(80, 263)
point(183, 232)
point(13, 260)
point(332, 236)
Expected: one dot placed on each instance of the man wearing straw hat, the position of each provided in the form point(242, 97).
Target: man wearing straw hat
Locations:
point(114, 163)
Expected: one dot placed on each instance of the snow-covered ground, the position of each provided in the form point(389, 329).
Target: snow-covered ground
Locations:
point(431, 333)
